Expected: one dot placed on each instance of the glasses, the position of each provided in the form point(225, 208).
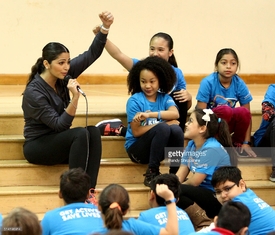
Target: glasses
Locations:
point(226, 190)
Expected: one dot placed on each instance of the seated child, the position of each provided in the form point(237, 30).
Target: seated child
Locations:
point(76, 217)
point(157, 215)
point(229, 185)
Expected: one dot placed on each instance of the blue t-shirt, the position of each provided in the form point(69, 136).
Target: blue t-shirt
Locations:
point(75, 219)
point(262, 215)
point(180, 83)
point(139, 103)
point(269, 97)
point(214, 94)
point(205, 160)
point(136, 227)
point(1, 220)
point(158, 216)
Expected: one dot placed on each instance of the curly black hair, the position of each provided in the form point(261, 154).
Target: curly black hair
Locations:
point(160, 67)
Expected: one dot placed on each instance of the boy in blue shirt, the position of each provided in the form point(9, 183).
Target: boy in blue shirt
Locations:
point(229, 185)
point(76, 217)
point(157, 215)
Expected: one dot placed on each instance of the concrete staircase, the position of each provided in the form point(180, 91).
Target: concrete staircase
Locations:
point(36, 187)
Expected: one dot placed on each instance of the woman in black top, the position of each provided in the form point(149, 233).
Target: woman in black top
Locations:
point(49, 111)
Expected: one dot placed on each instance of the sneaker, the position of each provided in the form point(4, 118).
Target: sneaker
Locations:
point(110, 127)
point(272, 176)
point(149, 176)
point(92, 199)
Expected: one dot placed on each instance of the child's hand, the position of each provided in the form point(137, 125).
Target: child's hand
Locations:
point(96, 29)
point(182, 95)
point(163, 191)
point(248, 150)
point(140, 117)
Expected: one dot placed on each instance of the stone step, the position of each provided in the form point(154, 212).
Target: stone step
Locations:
point(12, 147)
point(13, 124)
point(40, 199)
point(112, 170)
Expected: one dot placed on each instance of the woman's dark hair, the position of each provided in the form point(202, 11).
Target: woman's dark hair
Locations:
point(114, 193)
point(218, 128)
point(50, 52)
point(158, 66)
point(226, 51)
point(168, 38)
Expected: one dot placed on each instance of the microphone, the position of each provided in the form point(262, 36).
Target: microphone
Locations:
point(67, 78)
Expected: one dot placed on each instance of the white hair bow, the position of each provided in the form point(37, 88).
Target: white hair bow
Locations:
point(206, 117)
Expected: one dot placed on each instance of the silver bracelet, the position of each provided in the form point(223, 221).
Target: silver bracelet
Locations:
point(73, 104)
point(105, 29)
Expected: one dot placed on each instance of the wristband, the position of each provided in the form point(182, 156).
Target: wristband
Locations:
point(247, 142)
point(159, 115)
point(170, 201)
point(105, 29)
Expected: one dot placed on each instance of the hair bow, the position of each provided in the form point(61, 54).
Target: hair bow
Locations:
point(206, 117)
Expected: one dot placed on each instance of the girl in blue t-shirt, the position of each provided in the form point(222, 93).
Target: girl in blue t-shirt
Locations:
point(210, 147)
point(221, 90)
point(161, 45)
point(152, 115)
point(114, 204)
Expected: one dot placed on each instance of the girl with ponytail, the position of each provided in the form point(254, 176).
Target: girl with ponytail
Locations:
point(114, 203)
point(210, 147)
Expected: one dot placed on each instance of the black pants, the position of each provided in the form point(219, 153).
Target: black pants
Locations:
point(68, 147)
point(202, 196)
point(149, 148)
point(266, 146)
point(182, 111)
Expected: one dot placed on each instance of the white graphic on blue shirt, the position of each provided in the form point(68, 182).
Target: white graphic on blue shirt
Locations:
point(79, 213)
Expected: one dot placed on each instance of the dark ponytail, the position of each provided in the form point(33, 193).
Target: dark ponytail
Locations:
point(114, 203)
point(38, 67)
point(218, 128)
point(113, 218)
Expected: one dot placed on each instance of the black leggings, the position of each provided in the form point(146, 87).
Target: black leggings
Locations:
point(149, 148)
point(202, 196)
point(68, 147)
point(182, 106)
point(267, 143)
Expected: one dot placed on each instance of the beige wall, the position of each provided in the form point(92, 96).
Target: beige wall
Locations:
point(199, 28)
